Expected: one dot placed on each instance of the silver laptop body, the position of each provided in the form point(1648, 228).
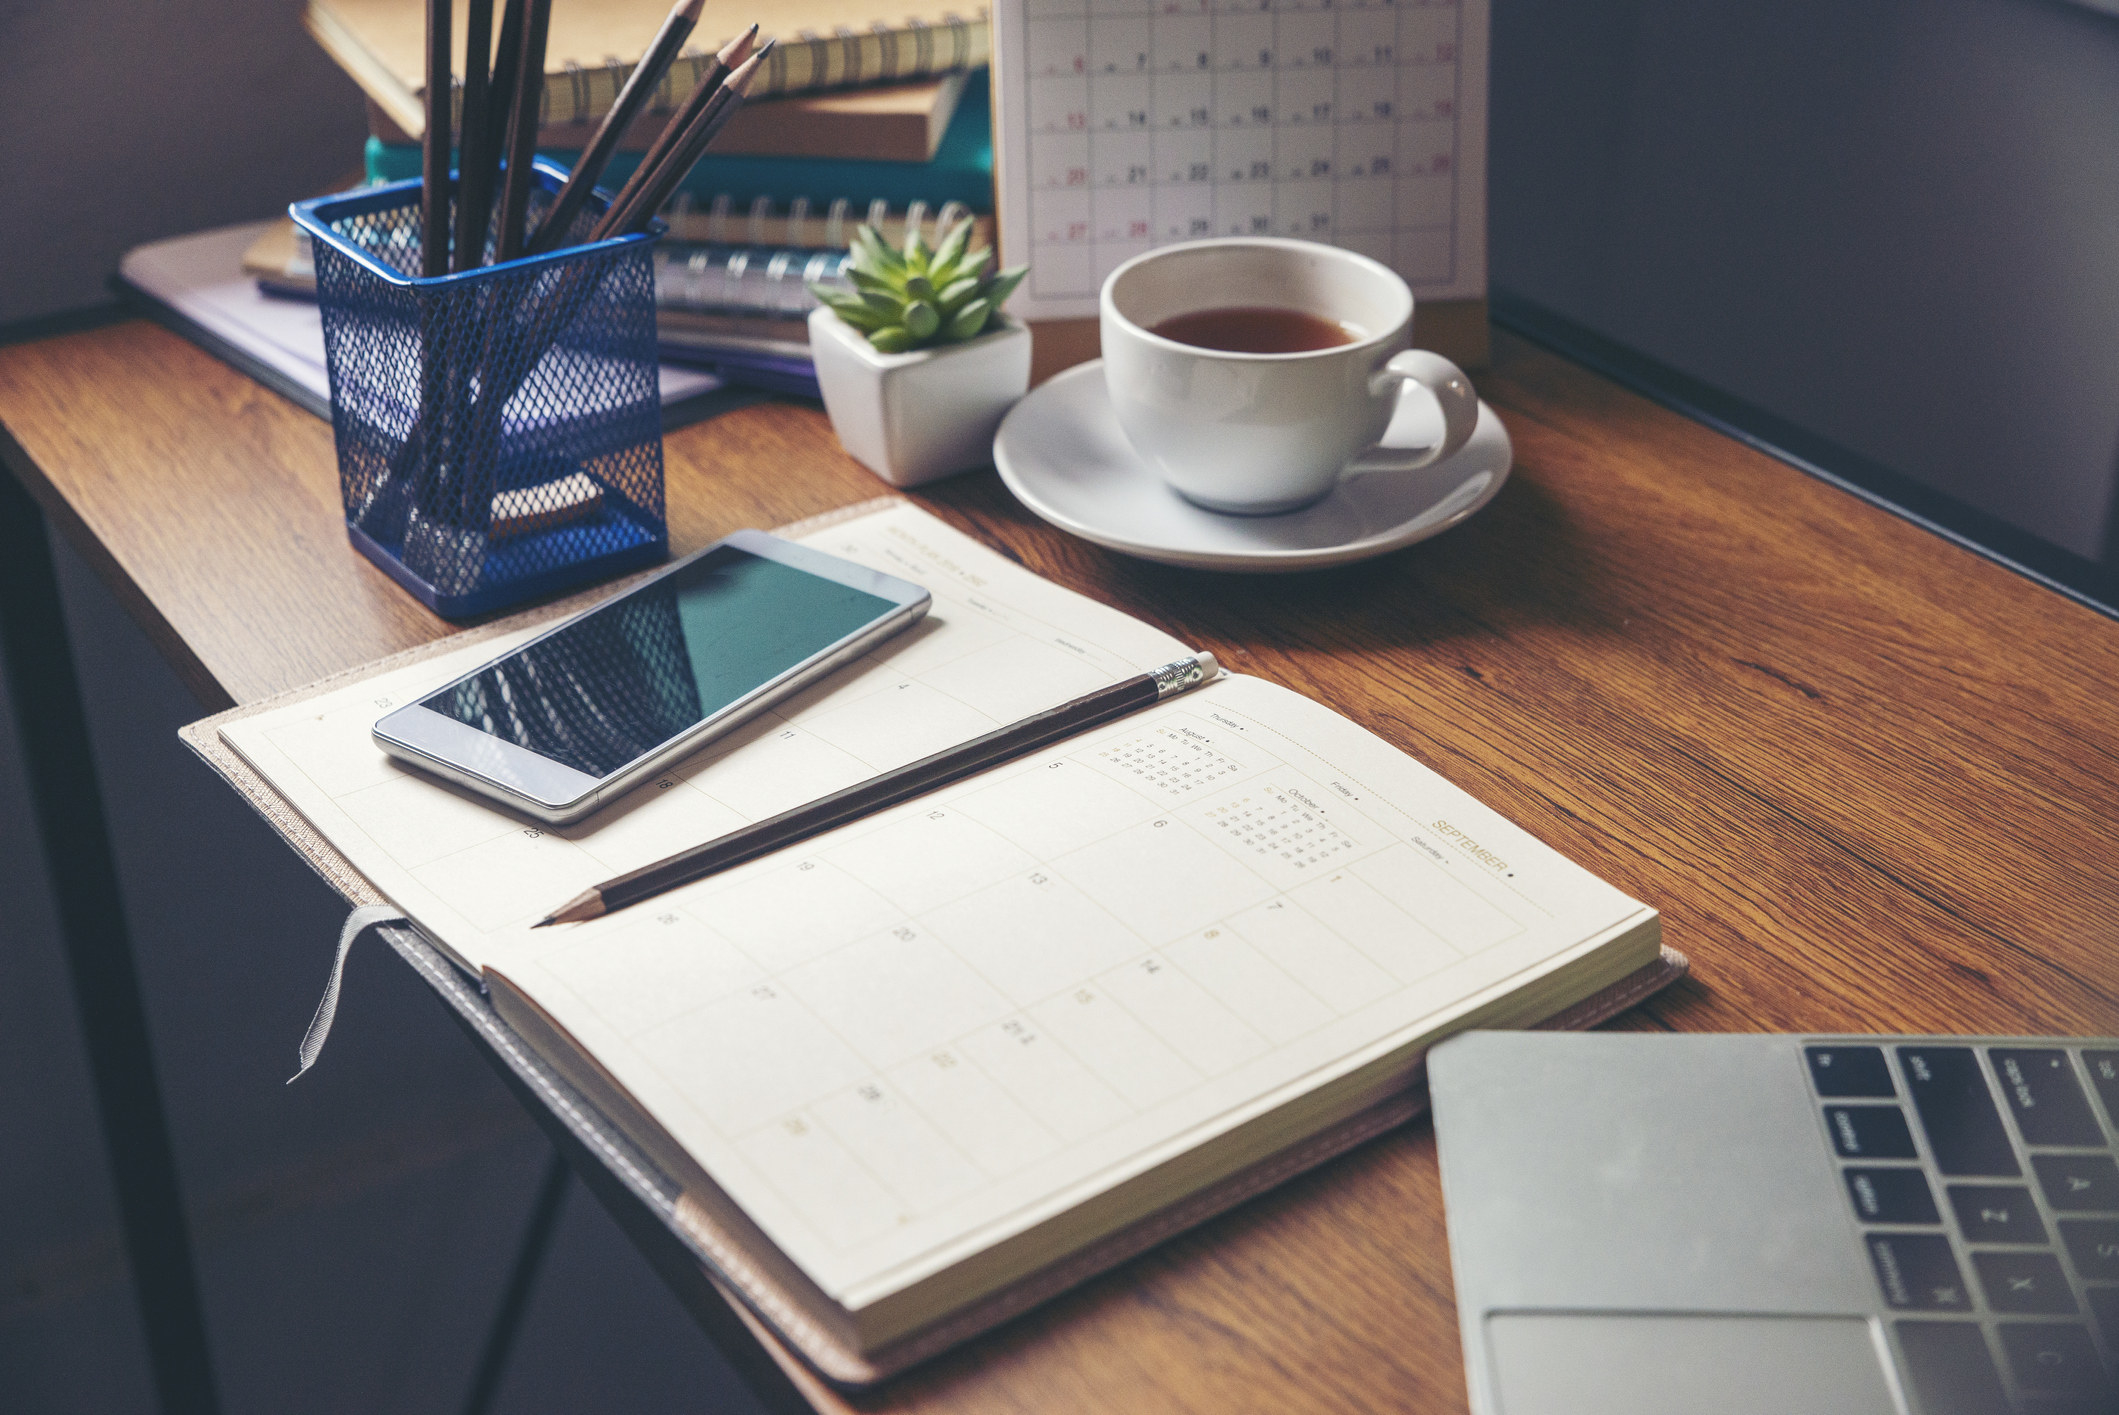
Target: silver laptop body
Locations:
point(1647, 1224)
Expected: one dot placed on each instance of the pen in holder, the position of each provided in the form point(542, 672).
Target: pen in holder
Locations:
point(499, 429)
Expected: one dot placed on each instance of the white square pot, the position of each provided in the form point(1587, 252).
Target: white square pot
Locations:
point(911, 418)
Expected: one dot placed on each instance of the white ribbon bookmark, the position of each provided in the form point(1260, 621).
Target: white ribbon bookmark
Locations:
point(366, 917)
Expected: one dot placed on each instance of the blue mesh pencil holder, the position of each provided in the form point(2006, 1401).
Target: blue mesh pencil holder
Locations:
point(500, 429)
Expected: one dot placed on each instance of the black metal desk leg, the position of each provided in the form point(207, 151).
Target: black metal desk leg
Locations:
point(69, 810)
point(522, 1281)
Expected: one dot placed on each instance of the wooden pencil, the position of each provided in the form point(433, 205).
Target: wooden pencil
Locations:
point(731, 54)
point(648, 197)
point(474, 162)
point(639, 87)
point(500, 90)
point(524, 112)
point(868, 797)
point(434, 150)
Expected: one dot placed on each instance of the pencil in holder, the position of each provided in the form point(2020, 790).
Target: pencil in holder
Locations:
point(499, 429)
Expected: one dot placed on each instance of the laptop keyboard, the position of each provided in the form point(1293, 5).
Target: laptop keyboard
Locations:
point(1985, 1181)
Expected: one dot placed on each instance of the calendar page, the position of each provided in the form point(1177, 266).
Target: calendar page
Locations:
point(1130, 124)
point(915, 1036)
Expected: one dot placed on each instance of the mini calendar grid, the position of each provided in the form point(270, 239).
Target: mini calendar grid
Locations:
point(1130, 124)
point(1280, 824)
point(1169, 762)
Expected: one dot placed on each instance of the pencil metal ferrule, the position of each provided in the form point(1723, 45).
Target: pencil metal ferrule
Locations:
point(1184, 673)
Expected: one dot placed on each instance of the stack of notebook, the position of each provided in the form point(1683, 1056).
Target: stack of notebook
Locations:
point(857, 116)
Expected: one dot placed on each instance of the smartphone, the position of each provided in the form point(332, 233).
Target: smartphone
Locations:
point(587, 710)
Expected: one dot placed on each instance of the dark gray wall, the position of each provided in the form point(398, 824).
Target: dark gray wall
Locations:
point(1894, 223)
point(129, 120)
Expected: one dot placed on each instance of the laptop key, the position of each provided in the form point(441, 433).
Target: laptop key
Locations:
point(1891, 1196)
point(1957, 1111)
point(1996, 1213)
point(2094, 1245)
point(2053, 1356)
point(1951, 1368)
point(1917, 1272)
point(2077, 1183)
point(1870, 1132)
point(2104, 1075)
point(2044, 1096)
point(1838, 1072)
point(2026, 1284)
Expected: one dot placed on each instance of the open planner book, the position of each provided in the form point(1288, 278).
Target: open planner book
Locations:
point(924, 1068)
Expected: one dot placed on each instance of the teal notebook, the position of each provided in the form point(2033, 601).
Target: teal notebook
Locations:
point(960, 171)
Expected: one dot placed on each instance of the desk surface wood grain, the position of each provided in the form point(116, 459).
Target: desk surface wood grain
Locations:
point(1871, 780)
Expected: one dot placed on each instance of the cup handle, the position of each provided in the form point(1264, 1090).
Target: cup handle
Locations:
point(1460, 410)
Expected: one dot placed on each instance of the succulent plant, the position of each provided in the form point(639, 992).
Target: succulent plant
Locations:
point(916, 298)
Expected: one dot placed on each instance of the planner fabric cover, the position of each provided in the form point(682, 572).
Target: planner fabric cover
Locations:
point(925, 1069)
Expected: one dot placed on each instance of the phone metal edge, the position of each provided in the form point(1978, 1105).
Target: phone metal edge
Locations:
point(566, 811)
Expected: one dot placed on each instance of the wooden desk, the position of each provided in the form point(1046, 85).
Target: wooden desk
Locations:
point(1871, 780)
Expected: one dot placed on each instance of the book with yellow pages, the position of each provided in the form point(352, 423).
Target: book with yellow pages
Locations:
point(885, 123)
point(920, 1072)
point(593, 45)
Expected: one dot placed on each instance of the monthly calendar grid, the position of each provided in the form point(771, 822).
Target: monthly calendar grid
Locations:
point(1150, 121)
point(1162, 766)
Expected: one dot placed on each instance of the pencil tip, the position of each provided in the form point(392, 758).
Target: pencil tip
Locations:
point(732, 52)
point(688, 10)
point(740, 80)
point(586, 905)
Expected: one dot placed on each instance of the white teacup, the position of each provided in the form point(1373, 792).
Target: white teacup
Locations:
point(1256, 434)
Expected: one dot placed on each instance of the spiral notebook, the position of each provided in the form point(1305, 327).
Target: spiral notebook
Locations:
point(592, 48)
point(919, 1073)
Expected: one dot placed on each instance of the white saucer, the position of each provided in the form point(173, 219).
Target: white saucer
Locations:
point(1061, 452)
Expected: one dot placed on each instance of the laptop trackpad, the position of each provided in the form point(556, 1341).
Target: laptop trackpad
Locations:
point(1609, 1363)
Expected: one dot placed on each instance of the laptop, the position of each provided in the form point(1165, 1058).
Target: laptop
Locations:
point(1782, 1225)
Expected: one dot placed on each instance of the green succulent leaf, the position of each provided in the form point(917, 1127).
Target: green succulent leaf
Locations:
point(855, 313)
point(869, 243)
point(921, 295)
point(951, 249)
point(1004, 285)
point(968, 321)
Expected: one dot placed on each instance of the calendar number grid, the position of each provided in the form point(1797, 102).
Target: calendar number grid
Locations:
point(1153, 121)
